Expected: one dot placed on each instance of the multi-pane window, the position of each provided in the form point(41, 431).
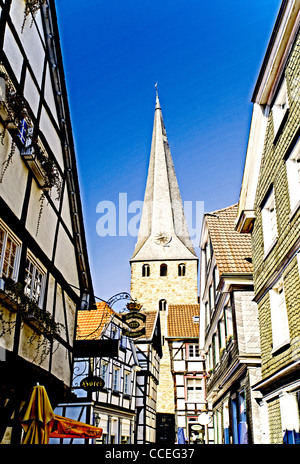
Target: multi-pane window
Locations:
point(194, 389)
point(9, 254)
point(116, 379)
point(279, 317)
point(293, 176)
point(193, 350)
point(269, 224)
point(34, 281)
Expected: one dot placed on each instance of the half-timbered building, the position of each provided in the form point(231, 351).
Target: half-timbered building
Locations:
point(187, 366)
point(103, 352)
point(44, 270)
point(149, 353)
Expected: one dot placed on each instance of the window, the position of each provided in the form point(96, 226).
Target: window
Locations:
point(194, 389)
point(127, 389)
point(279, 318)
point(146, 270)
point(280, 107)
point(293, 176)
point(103, 372)
point(181, 270)
point(163, 270)
point(116, 378)
point(162, 305)
point(9, 254)
point(269, 222)
point(193, 350)
point(123, 342)
point(34, 281)
point(228, 322)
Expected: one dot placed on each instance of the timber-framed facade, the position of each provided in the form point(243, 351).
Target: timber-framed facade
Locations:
point(45, 276)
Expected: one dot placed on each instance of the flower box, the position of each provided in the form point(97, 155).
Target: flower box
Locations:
point(28, 153)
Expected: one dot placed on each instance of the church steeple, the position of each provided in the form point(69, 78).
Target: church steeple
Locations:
point(163, 232)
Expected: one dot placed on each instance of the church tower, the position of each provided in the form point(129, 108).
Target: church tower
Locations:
point(164, 264)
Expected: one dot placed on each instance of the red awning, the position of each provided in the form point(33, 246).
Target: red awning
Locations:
point(63, 427)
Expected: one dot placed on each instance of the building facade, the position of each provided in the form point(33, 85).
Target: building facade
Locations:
point(44, 270)
point(229, 330)
point(269, 211)
point(164, 264)
point(188, 370)
point(149, 354)
point(103, 351)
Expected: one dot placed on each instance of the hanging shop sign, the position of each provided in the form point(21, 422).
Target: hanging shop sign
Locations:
point(92, 383)
point(134, 319)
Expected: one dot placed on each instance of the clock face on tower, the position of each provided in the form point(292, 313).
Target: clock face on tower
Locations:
point(162, 239)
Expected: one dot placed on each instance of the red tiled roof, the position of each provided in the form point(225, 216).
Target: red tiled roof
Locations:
point(230, 247)
point(181, 320)
point(90, 324)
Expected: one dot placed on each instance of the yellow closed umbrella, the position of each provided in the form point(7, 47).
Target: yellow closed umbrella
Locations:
point(36, 421)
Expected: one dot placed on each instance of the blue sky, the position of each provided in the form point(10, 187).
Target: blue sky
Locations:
point(205, 57)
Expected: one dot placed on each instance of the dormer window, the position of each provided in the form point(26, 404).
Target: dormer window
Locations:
point(181, 270)
point(146, 270)
point(163, 270)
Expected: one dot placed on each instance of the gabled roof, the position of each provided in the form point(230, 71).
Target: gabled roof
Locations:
point(232, 249)
point(90, 324)
point(181, 321)
point(163, 232)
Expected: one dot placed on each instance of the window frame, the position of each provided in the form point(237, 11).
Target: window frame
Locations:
point(292, 164)
point(279, 317)
point(280, 109)
point(181, 270)
point(192, 350)
point(146, 270)
point(37, 267)
point(269, 222)
point(163, 270)
point(194, 385)
point(16, 264)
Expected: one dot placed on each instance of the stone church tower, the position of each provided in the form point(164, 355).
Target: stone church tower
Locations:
point(164, 264)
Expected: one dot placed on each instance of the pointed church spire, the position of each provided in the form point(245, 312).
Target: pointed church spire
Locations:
point(163, 232)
